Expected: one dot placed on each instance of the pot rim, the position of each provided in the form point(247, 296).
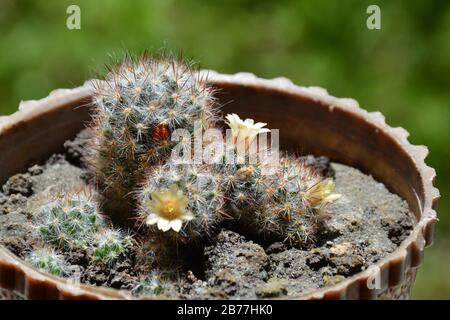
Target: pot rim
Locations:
point(391, 269)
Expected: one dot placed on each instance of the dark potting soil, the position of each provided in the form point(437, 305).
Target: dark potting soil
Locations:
point(365, 225)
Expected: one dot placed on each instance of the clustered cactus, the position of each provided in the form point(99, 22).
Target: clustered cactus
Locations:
point(138, 106)
point(281, 205)
point(73, 222)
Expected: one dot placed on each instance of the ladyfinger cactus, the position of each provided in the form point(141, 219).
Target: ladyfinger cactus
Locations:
point(69, 222)
point(108, 244)
point(48, 260)
point(73, 222)
point(182, 203)
point(278, 201)
point(152, 284)
point(138, 107)
point(281, 206)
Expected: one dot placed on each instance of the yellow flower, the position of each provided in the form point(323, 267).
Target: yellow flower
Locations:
point(168, 209)
point(245, 173)
point(321, 193)
point(244, 131)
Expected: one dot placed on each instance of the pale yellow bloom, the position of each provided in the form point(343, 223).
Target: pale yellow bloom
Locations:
point(244, 131)
point(321, 193)
point(168, 209)
point(245, 172)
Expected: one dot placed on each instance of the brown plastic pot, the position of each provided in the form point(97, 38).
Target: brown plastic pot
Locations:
point(310, 121)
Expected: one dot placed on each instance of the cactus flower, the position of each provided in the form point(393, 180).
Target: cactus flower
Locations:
point(321, 193)
point(168, 209)
point(244, 131)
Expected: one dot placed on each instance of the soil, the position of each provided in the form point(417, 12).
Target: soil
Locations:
point(365, 225)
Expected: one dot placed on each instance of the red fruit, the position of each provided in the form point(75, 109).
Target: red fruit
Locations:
point(161, 132)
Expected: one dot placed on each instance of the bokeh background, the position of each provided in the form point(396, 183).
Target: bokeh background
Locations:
point(402, 70)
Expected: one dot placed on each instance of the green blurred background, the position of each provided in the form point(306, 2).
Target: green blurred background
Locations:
point(402, 70)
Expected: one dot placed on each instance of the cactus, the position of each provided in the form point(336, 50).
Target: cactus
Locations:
point(182, 203)
point(137, 108)
point(150, 285)
point(108, 244)
point(281, 202)
point(48, 260)
point(69, 222)
point(73, 222)
point(281, 206)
